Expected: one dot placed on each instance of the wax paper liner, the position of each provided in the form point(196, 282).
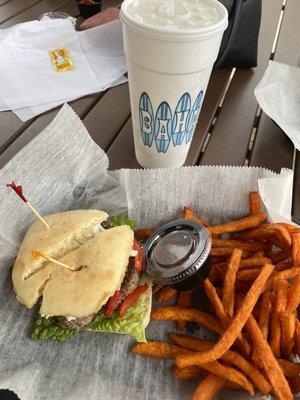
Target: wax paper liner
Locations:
point(61, 169)
point(218, 193)
point(278, 94)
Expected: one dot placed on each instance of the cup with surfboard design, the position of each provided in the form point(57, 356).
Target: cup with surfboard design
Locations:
point(170, 47)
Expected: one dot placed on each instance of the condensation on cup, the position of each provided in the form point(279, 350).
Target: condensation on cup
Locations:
point(170, 47)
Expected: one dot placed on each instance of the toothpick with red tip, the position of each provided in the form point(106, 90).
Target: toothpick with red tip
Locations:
point(19, 190)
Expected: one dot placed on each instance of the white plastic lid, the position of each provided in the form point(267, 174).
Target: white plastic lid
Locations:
point(171, 34)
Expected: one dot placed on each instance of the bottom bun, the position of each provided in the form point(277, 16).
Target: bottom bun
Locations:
point(133, 323)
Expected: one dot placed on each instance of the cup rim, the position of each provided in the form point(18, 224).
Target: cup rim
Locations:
point(162, 33)
point(55, 15)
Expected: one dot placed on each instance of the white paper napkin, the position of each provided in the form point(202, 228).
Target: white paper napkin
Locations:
point(101, 47)
point(27, 75)
point(278, 202)
point(27, 113)
point(278, 94)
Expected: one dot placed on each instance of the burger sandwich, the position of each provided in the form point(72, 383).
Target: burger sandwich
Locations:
point(93, 280)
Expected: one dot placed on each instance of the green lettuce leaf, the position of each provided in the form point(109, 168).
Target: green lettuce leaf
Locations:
point(133, 323)
point(119, 219)
point(48, 328)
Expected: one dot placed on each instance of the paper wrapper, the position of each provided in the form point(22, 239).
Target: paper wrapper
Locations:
point(278, 94)
point(64, 169)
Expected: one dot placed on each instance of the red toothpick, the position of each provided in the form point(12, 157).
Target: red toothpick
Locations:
point(19, 190)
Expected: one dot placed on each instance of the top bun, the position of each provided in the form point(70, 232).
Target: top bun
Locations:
point(68, 231)
point(100, 266)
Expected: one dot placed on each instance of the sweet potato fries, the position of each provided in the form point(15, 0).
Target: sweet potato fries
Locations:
point(254, 293)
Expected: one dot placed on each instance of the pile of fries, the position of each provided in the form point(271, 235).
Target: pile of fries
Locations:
point(254, 293)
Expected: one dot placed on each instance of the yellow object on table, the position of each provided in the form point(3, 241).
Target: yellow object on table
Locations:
point(61, 60)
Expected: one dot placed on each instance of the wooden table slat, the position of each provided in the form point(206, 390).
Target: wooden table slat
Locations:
point(229, 141)
point(103, 122)
point(11, 127)
point(70, 7)
point(288, 46)
point(33, 12)
point(272, 148)
point(98, 115)
point(121, 153)
point(2, 2)
point(213, 96)
point(80, 106)
point(15, 7)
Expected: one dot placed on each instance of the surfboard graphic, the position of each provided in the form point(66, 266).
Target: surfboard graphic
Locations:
point(146, 119)
point(163, 127)
point(180, 119)
point(194, 115)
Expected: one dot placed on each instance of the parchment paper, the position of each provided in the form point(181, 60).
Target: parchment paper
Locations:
point(278, 94)
point(64, 169)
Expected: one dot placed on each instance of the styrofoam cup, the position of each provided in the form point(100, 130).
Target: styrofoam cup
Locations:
point(168, 72)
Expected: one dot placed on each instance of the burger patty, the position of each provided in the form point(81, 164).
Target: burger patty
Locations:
point(106, 225)
point(130, 281)
point(75, 323)
point(129, 284)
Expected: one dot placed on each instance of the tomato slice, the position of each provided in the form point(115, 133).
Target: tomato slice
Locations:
point(131, 299)
point(139, 258)
point(112, 303)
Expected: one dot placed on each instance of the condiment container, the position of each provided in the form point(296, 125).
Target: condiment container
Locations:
point(88, 8)
point(177, 254)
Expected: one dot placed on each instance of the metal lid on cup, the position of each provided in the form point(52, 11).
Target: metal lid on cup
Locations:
point(176, 251)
